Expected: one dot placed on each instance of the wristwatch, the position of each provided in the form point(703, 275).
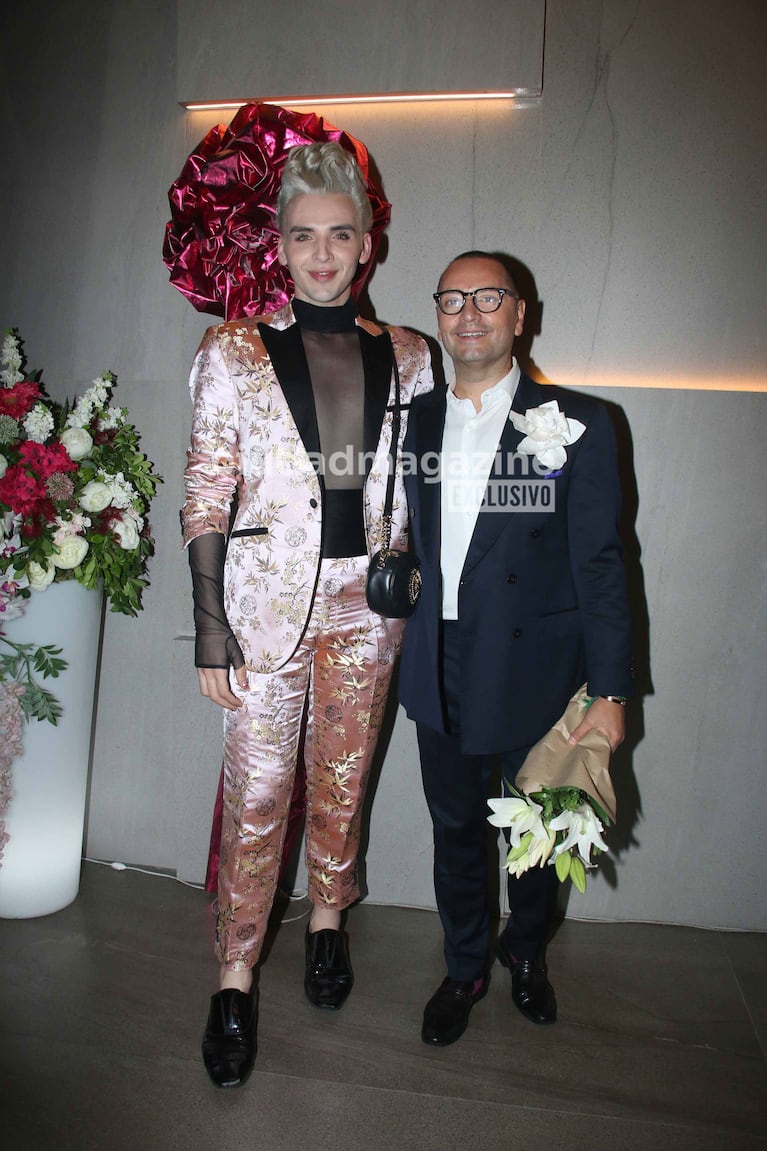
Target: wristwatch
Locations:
point(621, 699)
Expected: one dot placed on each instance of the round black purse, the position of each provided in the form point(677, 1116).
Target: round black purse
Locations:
point(394, 578)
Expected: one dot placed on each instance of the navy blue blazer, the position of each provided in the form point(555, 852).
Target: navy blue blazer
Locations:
point(542, 599)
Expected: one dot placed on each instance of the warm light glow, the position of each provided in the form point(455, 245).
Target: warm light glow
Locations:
point(671, 381)
point(517, 94)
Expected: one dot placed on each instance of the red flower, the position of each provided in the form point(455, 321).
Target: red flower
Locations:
point(20, 491)
point(221, 241)
point(19, 399)
point(39, 520)
point(44, 461)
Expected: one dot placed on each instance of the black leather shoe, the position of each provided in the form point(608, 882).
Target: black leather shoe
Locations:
point(447, 1013)
point(229, 1042)
point(329, 977)
point(531, 991)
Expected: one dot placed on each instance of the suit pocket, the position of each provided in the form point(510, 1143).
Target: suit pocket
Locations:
point(240, 532)
point(561, 611)
point(569, 621)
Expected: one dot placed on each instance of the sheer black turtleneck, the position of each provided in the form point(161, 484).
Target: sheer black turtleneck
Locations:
point(331, 343)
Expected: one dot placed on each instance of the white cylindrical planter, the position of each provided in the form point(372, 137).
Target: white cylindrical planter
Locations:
point(40, 866)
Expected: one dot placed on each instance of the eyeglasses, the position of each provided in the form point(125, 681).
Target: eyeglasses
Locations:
point(453, 300)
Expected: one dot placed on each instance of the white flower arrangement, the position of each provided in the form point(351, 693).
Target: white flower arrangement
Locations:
point(74, 494)
point(75, 490)
point(559, 826)
point(547, 432)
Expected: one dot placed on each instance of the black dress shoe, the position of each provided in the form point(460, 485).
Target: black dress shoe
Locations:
point(531, 991)
point(229, 1042)
point(447, 1013)
point(329, 977)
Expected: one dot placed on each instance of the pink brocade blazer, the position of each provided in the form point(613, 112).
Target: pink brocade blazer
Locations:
point(254, 435)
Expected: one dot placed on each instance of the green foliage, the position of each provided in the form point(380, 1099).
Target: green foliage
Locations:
point(554, 800)
point(20, 662)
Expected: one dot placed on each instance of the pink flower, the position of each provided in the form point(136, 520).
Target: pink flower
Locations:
point(221, 241)
point(11, 722)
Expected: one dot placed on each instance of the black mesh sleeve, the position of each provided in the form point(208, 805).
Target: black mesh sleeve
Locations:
point(215, 644)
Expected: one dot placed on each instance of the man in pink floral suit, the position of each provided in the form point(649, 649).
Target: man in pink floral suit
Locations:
point(293, 417)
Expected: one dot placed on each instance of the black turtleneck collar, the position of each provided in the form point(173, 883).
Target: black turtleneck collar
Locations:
point(315, 319)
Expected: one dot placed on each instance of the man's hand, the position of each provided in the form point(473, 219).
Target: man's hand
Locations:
point(214, 684)
point(604, 716)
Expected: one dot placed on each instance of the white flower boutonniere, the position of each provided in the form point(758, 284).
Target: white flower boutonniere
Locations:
point(547, 432)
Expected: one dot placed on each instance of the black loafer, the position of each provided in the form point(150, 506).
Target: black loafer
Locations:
point(229, 1042)
point(329, 977)
point(446, 1015)
point(531, 991)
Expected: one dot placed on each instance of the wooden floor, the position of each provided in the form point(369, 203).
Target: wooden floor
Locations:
point(660, 1043)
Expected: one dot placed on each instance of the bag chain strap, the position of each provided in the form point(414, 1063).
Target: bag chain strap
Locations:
point(389, 501)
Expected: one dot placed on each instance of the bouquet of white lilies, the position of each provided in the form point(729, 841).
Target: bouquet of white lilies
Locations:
point(557, 825)
point(562, 801)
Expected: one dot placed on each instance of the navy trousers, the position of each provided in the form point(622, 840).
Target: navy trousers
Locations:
point(457, 787)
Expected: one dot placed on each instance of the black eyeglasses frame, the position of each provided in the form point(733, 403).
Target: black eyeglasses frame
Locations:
point(437, 297)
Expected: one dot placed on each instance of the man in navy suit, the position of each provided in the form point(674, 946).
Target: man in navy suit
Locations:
point(523, 601)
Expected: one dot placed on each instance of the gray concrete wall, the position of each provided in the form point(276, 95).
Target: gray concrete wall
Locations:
point(634, 194)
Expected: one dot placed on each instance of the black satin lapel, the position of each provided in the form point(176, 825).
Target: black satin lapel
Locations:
point(377, 357)
point(431, 426)
point(528, 395)
point(286, 351)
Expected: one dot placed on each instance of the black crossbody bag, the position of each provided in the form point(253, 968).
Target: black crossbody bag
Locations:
point(394, 578)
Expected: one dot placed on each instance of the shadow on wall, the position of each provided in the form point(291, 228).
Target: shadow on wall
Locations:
point(620, 837)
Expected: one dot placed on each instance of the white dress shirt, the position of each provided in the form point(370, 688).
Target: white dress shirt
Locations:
point(469, 444)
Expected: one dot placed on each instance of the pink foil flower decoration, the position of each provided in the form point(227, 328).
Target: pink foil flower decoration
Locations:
point(221, 241)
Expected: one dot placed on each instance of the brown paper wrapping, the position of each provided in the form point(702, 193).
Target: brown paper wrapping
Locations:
point(554, 762)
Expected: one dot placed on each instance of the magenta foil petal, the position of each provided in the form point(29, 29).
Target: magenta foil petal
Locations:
point(221, 240)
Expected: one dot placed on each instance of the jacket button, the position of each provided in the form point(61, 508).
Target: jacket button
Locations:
point(534, 533)
point(312, 503)
point(511, 579)
point(516, 633)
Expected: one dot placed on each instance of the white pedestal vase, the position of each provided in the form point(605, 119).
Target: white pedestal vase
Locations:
point(40, 866)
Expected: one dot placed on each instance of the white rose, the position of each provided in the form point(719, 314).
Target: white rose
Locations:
point(3, 466)
point(126, 531)
point(40, 577)
point(547, 431)
point(71, 552)
point(95, 496)
point(78, 442)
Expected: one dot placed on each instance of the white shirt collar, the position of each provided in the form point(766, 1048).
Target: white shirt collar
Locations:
point(506, 387)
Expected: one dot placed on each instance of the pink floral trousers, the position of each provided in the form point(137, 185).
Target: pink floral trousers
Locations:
point(338, 679)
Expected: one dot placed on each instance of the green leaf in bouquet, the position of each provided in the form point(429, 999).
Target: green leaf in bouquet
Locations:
point(562, 865)
point(521, 849)
point(577, 873)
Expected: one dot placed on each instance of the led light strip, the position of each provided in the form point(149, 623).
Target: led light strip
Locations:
point(398, 98)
